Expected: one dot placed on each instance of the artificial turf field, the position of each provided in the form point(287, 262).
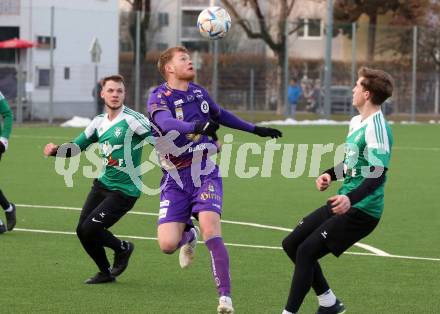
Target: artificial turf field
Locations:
point(43, 265)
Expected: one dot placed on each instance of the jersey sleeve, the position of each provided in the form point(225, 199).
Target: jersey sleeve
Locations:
point(378, 143)
point(141, 126)
point(88, 136)
point(6, 113)
point(156, 102)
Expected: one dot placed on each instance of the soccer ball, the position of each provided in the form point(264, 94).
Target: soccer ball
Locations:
point(214, 22)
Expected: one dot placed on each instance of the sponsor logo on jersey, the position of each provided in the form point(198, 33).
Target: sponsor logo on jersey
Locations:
point(107, 149)
point(204, 106)
point(211, 188)
point(178, 102)
point(179, 113)
point(198, 93)
point(210, 196)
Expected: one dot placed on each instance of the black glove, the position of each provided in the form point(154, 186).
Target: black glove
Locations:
point(267, 132)
point(2, 149)
point(207, 128)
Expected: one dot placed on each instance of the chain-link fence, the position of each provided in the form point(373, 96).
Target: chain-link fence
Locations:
point(243, 74)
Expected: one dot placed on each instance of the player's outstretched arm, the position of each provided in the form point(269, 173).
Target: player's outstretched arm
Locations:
point(230, 120)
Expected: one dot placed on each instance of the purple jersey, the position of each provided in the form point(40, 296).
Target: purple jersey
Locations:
point(193, 105)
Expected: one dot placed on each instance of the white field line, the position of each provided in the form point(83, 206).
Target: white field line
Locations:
point(249, 224)
point(232, 244)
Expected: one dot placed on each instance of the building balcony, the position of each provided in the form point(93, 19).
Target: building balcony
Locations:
point(196, 3)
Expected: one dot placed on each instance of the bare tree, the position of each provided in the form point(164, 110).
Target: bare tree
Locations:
point(273, 30)
point(403, 13)
point(144, 6)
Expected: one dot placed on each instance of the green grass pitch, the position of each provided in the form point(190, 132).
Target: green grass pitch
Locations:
point(44, 272)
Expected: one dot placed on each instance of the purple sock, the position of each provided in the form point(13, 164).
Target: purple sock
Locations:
point(220, 265)
point(187, 236)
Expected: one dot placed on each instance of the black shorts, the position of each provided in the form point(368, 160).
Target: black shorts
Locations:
point(105, 207)
point(338, 232)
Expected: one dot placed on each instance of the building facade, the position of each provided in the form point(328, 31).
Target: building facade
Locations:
point(75, 25)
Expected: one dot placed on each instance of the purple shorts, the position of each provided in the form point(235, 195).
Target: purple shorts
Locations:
point(178, 204)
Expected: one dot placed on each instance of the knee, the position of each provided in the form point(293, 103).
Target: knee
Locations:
point(290, 247)
point(84, 231)
point(209, 233)
point(167, 247)
point(304, 253)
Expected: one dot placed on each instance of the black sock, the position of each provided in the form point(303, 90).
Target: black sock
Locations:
point(3, 201)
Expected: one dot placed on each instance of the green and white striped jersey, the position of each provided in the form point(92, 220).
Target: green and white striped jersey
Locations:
point(368, 144)
point(118, 141)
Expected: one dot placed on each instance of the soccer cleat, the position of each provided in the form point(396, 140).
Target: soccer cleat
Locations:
point(11, 219)
point(186, 254)
point(337, 308)
point(100, 278)
point(225, 305)
point(121, 259)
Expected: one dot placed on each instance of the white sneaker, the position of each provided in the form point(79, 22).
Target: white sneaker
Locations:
point(225, 305)
point(187, 250)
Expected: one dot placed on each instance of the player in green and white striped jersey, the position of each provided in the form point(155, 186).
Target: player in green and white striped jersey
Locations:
point(355, 211)
point(118, 133)
point(5, 132)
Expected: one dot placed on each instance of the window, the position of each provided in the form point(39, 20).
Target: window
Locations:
point(67, 73)
point(163, 19)
point(44, 42)
point(43, 77)
point(162, 46)
point(189, 18)
point(310, 28)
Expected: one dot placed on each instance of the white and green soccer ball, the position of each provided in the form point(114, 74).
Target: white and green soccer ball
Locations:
point(214, 22)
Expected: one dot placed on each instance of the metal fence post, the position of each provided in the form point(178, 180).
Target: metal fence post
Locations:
point(215, 71)
point(328, 60)
point(353, 63)
point(51, 71)
point(414, 76)
point(137, 71)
